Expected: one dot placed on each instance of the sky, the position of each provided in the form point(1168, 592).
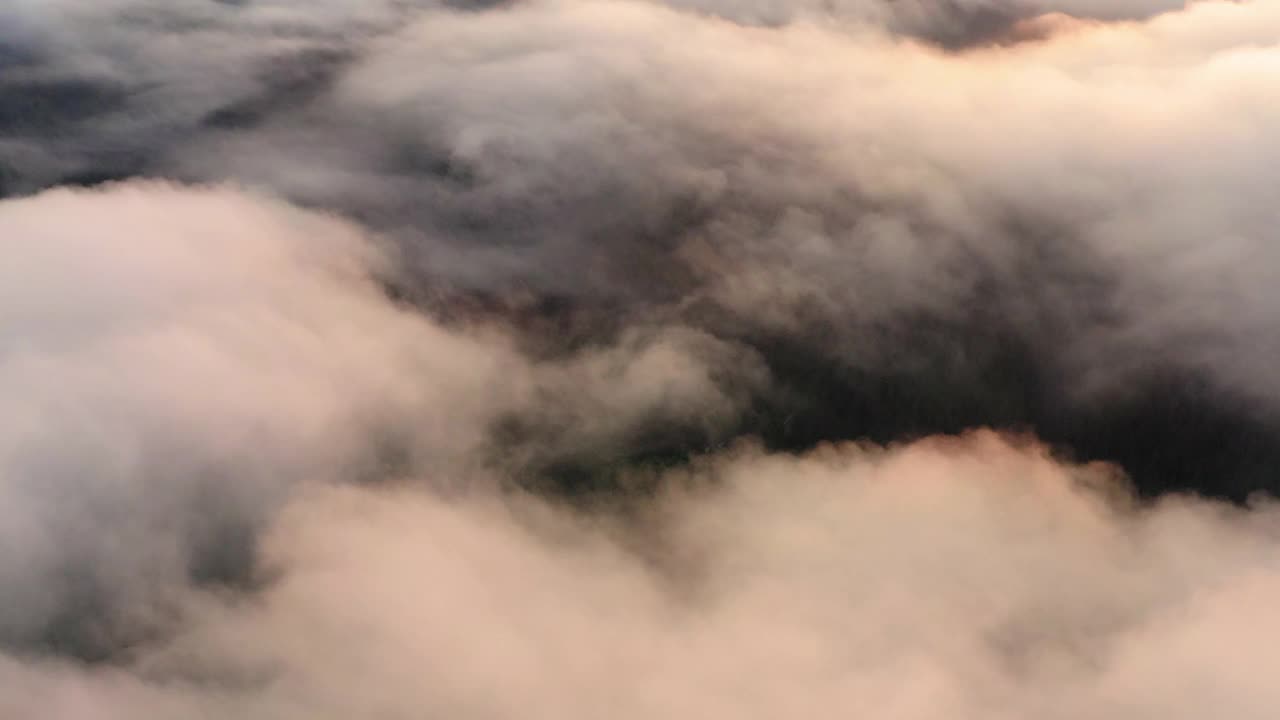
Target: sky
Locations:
point(642, 358)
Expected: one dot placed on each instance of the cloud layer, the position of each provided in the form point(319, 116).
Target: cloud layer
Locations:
point(581, 357)
point(963, 578)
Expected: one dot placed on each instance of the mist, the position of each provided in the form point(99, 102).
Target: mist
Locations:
point(581, 357)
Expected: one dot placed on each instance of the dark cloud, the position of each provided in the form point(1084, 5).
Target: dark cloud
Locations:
point(872, 219)
point(850, 208)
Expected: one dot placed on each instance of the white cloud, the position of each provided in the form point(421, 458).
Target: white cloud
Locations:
point(962, 578)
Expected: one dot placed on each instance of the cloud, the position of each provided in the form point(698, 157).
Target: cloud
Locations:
point(173, 361)
point(802, 179)
point(177, 361)
point(576, 357)
point(1016, 236)
point(952, 24)
point(962, 578)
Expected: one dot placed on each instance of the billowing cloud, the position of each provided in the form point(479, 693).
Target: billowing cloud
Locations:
point(951, 579)
point(582, 357)
point(173, 361)
point(1016, 236)
point(176, 362)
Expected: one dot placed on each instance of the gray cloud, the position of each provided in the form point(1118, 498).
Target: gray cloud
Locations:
point(799, 171)
point(875, 206)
